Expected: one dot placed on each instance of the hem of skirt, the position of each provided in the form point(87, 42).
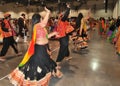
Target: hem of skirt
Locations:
point(19, 80)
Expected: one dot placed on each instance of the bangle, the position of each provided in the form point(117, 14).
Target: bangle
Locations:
point(47, 36)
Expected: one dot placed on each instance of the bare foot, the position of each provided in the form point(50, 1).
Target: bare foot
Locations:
point(18, 54)
point(2, 60)
point(59, 74)
point(58, 67)
point(68, 58)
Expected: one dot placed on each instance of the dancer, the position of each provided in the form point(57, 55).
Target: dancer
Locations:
point(117, 45)
point(8, 39)
point(116, 35)
point(64, 40)
point(36, 67)
point(81, 36)
point(22, 28)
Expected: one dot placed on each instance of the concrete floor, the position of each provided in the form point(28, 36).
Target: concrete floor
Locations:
point(96, 66)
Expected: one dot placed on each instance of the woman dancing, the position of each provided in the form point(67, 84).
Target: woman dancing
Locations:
point(36, 67)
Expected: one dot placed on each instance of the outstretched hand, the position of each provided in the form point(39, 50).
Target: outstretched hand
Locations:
point(57, 35)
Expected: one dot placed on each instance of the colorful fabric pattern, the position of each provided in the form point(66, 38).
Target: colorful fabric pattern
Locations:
point(30, 50)
point(118, 41)
point(17, 77)
point(112, 36)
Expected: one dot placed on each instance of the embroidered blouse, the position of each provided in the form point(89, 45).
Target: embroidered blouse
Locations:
point(41, 33)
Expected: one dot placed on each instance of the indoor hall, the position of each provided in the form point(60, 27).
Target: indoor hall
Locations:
point(96, 65)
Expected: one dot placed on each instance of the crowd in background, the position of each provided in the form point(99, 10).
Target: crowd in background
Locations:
point(108, 28)
point(12, 30)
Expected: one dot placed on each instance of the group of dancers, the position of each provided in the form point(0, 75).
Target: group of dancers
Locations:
point(37, 66)
point(110, 30)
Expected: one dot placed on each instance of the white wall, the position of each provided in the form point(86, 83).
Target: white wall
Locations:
point(16, 11)
point(102, 13)
point(75, 13)
point(116, 10)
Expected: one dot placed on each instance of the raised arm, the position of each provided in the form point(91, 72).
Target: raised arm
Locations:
point(66, 13)
point(45, 20)
point(81, 26)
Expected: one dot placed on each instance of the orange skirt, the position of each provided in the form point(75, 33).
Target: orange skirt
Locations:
point(118, 45)
point(17, 78)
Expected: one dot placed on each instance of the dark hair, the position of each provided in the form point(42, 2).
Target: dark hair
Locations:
point(118, 22)
point(22, 14)
point(2, 24)
point(78, 20)
point(8, 16)
point(35, 19)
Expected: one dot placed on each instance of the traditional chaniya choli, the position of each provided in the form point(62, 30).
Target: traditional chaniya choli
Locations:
point(36, 67)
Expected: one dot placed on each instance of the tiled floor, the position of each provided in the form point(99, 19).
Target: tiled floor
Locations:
point(96, 66)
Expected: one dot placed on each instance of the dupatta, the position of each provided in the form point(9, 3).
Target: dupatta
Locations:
point(30, 50)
